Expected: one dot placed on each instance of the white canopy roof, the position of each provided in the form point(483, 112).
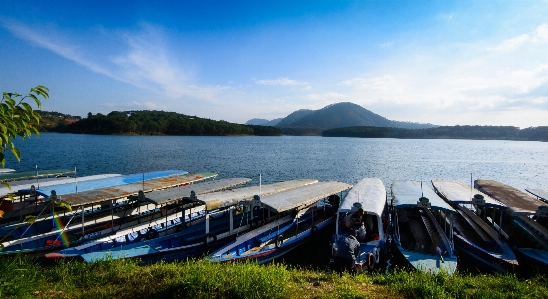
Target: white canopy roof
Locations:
point(370, 193)
point(407, 193)
point(172, 194)
point(232, 197)
point(302, 197)
point(456, 193)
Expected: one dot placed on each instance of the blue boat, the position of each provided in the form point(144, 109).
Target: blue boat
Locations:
point(370, 195)
point(417, 236)
point(475, 240)
point(67, 234)
point(523, 224)
point(213, 220)
point(294, 217)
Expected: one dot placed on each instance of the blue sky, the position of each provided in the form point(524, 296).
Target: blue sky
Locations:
point(441, 62)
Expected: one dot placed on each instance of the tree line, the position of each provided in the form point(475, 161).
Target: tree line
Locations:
point(444, 132)
point(156, 123)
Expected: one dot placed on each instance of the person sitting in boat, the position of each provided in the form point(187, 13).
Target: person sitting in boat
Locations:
point(348, 248)
point(355, 220)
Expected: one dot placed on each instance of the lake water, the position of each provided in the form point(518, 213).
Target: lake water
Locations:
point(517, 163)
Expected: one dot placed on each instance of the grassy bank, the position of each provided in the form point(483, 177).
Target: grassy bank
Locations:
point(24, 278)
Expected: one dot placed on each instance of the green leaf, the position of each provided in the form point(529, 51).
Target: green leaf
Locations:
point(16, 153)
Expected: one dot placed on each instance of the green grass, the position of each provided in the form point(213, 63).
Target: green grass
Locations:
point(24, 278)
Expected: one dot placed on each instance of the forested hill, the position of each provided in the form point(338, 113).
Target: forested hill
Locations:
point(445, 132)
point(159, 123)
point(342, 115)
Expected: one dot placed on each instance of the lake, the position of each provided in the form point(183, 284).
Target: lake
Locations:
point(521, 164)
point(517, 163)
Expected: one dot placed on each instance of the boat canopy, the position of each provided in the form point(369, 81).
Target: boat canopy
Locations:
point(518, 202)
point(301, 197)
point(111, 181)
point(370, 193)
point(542, 194)
point(233, 197)
point(459, 193)
point(172, 194)
point(43, 182)
point(407, 193)
point(117, 192)
point(15, 176)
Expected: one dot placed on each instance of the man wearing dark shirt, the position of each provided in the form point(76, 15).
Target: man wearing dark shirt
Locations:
point(348, 248)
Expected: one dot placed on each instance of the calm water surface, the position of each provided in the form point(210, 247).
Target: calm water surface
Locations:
point(520, 164)
point(517, 163)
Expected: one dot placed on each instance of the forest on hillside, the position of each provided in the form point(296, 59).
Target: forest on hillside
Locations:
point(444, 132)
point(150, 123)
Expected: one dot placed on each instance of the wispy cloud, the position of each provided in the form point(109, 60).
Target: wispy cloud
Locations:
point(145, 63)
point(56, 45)
point(511, 44)
point(282, 81)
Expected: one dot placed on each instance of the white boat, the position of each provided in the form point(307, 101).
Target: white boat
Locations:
point(370, 195)
point(417, 235)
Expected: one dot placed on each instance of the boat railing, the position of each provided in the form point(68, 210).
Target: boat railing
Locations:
point(436, 232)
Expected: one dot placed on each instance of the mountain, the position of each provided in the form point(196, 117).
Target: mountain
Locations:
point(343, 115)
point(257, 121)
point(263, 122)
point(289, 120)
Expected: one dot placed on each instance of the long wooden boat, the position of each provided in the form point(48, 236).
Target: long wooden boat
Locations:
point(475, 240)
point(44, 223)
point(524, 224)
point(66, 234)
point(34, 199)
point(212, 221)
point(296, 219)
point(370, 195)
point(417, 236)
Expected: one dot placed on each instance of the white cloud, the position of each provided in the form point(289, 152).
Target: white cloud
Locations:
point(282, 81)
point(511, 44)
point(56, 45)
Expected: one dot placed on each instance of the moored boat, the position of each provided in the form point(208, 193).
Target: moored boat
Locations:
point(214, 219)
point(296, 218)
point(476, 242)
point(370, 195)
point(523, 224)
point(417, 235)
point(66, 235)
point(32, 197)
